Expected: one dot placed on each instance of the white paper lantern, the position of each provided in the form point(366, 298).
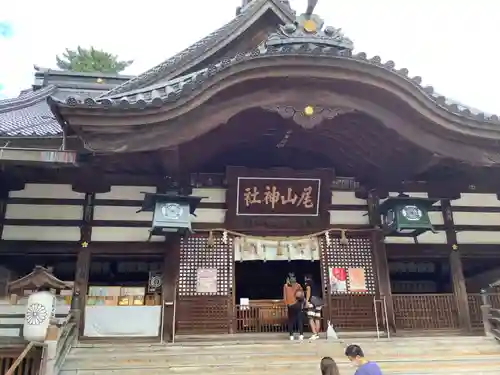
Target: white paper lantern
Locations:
point(37, 316)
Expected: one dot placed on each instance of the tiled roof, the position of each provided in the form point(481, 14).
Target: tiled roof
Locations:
point(330, 43)
point(28, 115)
point(223, 35)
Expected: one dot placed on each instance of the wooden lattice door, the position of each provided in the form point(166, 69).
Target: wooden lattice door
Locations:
point(204, 292)
point(349, 309)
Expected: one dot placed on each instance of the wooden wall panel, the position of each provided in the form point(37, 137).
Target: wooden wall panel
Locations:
point(478, 218)
point(205, 312)
point(116, 218)
point(350, 311)
point(43, 212)
point(347, 210)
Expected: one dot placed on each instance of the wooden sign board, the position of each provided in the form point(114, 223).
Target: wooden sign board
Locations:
point(278, 201)
point(263, 196)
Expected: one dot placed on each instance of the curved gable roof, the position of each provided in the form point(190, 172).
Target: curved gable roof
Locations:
point(206, 47)
point(304, 50)
point(288, 40)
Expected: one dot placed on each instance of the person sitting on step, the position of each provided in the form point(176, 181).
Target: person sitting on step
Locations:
point(364, 367)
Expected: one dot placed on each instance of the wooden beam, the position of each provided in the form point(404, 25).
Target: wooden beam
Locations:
point(170, 161)
point(457, 272)
point(87, 219)
point(426, 165)
point(81, 284)
point(380, 259)
point(37, 156)
point(169, 287)
point(83, 258)
point(52, 142)
point(74, 176)
point(4, 196)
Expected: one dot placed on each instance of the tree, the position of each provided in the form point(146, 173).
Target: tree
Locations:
point(91, 60)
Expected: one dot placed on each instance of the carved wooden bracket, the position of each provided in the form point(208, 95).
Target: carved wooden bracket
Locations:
point(319, 114)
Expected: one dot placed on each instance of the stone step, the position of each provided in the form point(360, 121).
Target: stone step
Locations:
point(398, 356)
point(303, 348)
point(147, 359)
point(401, 368)
point(403, 341)
point(278, 344)
point(312, 371)
point(373, 347)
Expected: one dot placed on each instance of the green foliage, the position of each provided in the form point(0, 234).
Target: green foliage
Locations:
point(91, 60)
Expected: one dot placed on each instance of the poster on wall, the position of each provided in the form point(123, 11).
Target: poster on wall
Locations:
point(206, 280)
point(357, 280)
point(338, 280)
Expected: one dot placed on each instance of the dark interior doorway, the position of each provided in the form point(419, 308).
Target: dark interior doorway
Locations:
point(420, 276)
point(258, 280)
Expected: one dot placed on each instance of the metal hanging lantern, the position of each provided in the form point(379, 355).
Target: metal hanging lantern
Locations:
point(406, 216)
point(171, 212)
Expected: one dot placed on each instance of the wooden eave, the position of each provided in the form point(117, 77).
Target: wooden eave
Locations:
point(207, 48)
point(179, 116)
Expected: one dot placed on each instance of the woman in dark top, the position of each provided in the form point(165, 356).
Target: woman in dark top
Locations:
point(314, 304)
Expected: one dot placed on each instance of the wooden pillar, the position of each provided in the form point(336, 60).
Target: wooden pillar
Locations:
point(457, 273)
point(380, 257)
point(170, 276)
point(83, 261)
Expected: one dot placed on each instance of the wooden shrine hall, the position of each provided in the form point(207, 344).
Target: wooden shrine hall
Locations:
point(307, 158)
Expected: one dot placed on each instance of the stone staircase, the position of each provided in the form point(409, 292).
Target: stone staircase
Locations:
point(402, 355)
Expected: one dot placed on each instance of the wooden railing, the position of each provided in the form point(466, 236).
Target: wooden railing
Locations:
point(490, 309)
point(13, 369)
point(266, 316)
point(61, 337)
point(29, 365)
point(62, 334)
point(425, 311)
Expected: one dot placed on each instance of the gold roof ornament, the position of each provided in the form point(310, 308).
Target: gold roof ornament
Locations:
point(309, 25)
point(308, 30)
point(309, 110)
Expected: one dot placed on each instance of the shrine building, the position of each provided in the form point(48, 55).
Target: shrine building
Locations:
point(306, 157)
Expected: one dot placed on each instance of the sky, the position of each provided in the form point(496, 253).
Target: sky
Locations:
point(450, 44)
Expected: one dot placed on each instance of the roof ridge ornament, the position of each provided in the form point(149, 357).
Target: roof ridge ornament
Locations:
point(311, 4)
point(308, 30)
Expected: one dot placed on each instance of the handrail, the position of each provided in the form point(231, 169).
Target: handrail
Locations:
point(384, 316)
point(19, 359)
point(55, 350)
point(491, 316)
